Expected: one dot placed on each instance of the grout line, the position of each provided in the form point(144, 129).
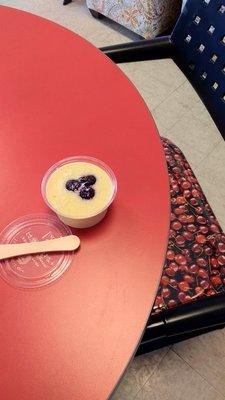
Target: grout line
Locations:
point(156, 366)
point(193, 166)
point(154, 369)
point(197, 372)
point(166, 130)
point(146, 90)
point(210, 152)
point(165, 98)
point(153, 372)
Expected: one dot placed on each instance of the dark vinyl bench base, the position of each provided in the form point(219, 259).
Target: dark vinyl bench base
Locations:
point(182, 323)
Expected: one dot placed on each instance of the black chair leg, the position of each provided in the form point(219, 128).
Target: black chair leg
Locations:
point(160, 47)
point(96, 14)
point(65, 2)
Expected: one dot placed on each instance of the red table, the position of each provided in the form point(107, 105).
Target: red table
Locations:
point(61, 97)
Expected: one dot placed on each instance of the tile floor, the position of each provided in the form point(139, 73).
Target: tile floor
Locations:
point(194, 369)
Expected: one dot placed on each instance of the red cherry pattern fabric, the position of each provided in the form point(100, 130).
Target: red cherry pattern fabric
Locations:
point(195, 259)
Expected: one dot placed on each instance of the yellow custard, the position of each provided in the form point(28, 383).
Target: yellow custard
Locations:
point(71, 196)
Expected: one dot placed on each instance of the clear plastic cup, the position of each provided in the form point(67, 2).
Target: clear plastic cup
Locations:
point(76, 221)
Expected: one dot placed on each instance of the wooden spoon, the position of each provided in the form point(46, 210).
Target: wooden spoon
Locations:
point(64, 243)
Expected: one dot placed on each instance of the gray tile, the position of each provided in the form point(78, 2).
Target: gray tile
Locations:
point(161, 128)
point(195, 137)
point(206, 354)
point(156, 80)
point(175, 380)
point(211, 175)
point(138, 373)
point(176, 104)
point(200, 111)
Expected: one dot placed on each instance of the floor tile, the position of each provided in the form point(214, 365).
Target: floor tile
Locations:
point(195, 137)
point(206, 355)
point(176, 104)
point(156, 79)
point(175, 380)
point(200, 111)
point(139, 371)
point(211, 175)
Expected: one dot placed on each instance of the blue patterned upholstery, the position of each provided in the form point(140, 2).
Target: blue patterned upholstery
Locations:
point(199, 39)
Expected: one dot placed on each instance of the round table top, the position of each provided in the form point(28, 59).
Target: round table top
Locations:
point(60, 97)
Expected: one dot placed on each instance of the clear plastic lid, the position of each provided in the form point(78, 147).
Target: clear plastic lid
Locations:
point(33, 271)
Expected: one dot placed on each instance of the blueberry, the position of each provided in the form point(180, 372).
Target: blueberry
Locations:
point(83, 179)
point(87, 193)
point(88, 180)
point(72, 185)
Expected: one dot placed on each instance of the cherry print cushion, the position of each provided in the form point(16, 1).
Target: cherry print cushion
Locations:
point(195, 259)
